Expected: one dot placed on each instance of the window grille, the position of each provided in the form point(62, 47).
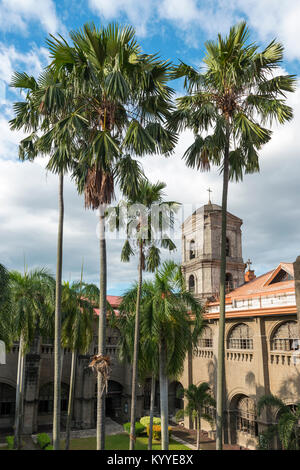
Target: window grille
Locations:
point(206, 340)
point(240, 337)
point(285, 337)
point(246, 416)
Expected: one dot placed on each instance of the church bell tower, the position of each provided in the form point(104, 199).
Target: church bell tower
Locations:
point(201, 252)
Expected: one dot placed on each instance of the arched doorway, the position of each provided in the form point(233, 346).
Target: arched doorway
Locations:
point(45, 405)
point(7, 405)
point(113, 401)
point(243, 420)
point(175, 398)
point(147, 396)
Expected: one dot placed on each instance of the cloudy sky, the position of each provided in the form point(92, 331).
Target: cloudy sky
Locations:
point(268, 203)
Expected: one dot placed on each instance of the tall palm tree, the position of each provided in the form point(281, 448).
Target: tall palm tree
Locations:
point(287, 426)
point(227, 106)
point(77, 334)
point(32, 299)
point(199, 397)
point(148, 353)
point(47, 102)
point(145, 235)
point(122, 97)
point(6, 324)
point(171, 320)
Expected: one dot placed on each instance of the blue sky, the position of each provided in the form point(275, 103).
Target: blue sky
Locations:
point(269, 203)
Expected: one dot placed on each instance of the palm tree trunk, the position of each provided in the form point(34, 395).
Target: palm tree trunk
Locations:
point(101, 333)
point(153, 383)
point(57, 333)
point(199, 426)
point(221, 352)
point(136, 350)
point(71, 399)
point(163, 386)
point(19, 389)
point(198, 432)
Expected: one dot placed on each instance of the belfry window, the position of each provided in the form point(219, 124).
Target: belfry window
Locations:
point(228, 283)
point(227, 247)
point(192, 283)
point(240, 337)
point(285, 338)
point(192, 249)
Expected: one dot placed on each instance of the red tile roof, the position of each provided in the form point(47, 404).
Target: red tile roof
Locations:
point(114, 301)
point(261, 285)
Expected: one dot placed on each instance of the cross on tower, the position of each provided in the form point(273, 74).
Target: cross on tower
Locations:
point(209, 191)
point(248, 263)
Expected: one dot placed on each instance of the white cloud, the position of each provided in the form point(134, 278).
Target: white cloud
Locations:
point(267, 18)
point(138, 13)
point(12, 60)
point(15, 14)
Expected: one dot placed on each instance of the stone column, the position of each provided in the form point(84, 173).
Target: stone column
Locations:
point(262, 379)
point(31, 393)
point(297, 290)
point(84, 394)
point(190, 381)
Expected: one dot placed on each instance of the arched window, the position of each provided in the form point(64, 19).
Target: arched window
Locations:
point(192, 249)
point(227, 247)
point(285, 337)
point(228, 282)
point(7, 400)
point(246, 416)
point(46, 398)
point(206, 340)
point(192, 283)
point(240, 337)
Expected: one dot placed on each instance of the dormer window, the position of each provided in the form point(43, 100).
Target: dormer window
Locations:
point(281, 277)
point(192, 249)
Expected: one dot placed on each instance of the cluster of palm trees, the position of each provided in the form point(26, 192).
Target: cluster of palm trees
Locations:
point(27, 316)
point(101, 104)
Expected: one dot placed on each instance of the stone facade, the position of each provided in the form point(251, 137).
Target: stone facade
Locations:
point(260, 353)
point(260, 332)
point(38, 397)
point(201, 251)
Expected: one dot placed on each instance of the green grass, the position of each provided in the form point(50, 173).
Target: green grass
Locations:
point(120, 442)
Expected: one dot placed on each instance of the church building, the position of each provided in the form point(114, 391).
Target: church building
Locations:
point(260, 346)
point(260, 327)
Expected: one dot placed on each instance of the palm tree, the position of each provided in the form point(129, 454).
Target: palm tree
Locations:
point(287, 426)
point(148, 354)
point(226, 107)
point(122, 97)
point(47, 102)
point(198, 398)
point(168, 312)
point(146, 235)
point(32, 299)
point(77, 334)
point(6, 326)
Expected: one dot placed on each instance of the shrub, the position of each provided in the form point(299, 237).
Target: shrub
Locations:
point(10, 442)
point(139, 428)
point(43, 440)
point(50, 447)
point(156, 434)
point(145, 420)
